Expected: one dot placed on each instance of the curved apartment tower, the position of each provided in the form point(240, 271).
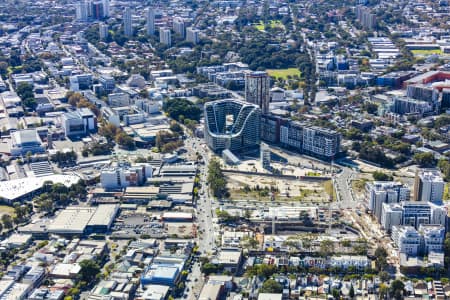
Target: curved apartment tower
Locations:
point(232, 124)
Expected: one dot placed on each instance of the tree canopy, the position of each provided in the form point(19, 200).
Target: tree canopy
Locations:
point(271, 286)
point(179, 109)
point(25, 92)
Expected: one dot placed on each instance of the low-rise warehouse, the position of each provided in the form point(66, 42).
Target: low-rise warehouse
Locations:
point(78, 220)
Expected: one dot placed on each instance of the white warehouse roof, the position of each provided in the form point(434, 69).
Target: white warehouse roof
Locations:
point(17, 188)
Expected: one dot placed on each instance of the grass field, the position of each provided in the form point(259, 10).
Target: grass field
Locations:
point(329, 189)
point(283, 73)
point(4, 209)
point(273, 24)
point(426, 52)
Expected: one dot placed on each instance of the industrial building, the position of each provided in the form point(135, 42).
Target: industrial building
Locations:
point(26, 141)
point(232, 124)
point(164, 270)
point(80, 220)
point(26, 188)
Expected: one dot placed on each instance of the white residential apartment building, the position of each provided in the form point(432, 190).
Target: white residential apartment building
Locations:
point(407, 239)
point(165, 36)
point(412, 213)
point(428, 185)
point(380, 192)
point(413, 242)
point(192, 35)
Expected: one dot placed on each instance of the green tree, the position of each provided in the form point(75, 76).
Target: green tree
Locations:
point(271, 286)
point(384, 276)
point(447, 249)
point(370, 107)
point(326, 248)
point(216, 179)
point(179, 109)
point(380, 176)
point(425, 159)
point(125, 140)
point(336, 294)
point(381, 258)
point(383, 291)
point(25, 92)
point(89, 270)
point(351, 292)
point(75, 98)
point(7, 221)
point(209, 268)
point(396, 289)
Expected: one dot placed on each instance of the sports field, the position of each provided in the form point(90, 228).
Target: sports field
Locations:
point(283, 73)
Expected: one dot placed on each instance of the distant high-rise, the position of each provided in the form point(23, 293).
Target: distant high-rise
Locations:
point(192, 35)
point(150, 21)
point(365, 16)
point(127, 25)
point(165, 36)
point(98, 11)
point(257, 88)
point(106, 11)
point(178, 27)
point(82, 11)
point(89, 7)
point(103, 31)
point(265, 156)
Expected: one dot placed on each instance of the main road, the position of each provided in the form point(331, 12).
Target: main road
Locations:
point(204, 208)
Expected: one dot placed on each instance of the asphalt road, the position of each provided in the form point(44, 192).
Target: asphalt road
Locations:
point(205, 217)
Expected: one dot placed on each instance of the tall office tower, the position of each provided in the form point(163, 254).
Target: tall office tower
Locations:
point(165, 37)
point(192, 35)
point(178, 27)
point(257, 88)
point(127, 25)
point(103, 31)
point(428, 185)
point(82, 11)
point(150, 21)
point(106, 11)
